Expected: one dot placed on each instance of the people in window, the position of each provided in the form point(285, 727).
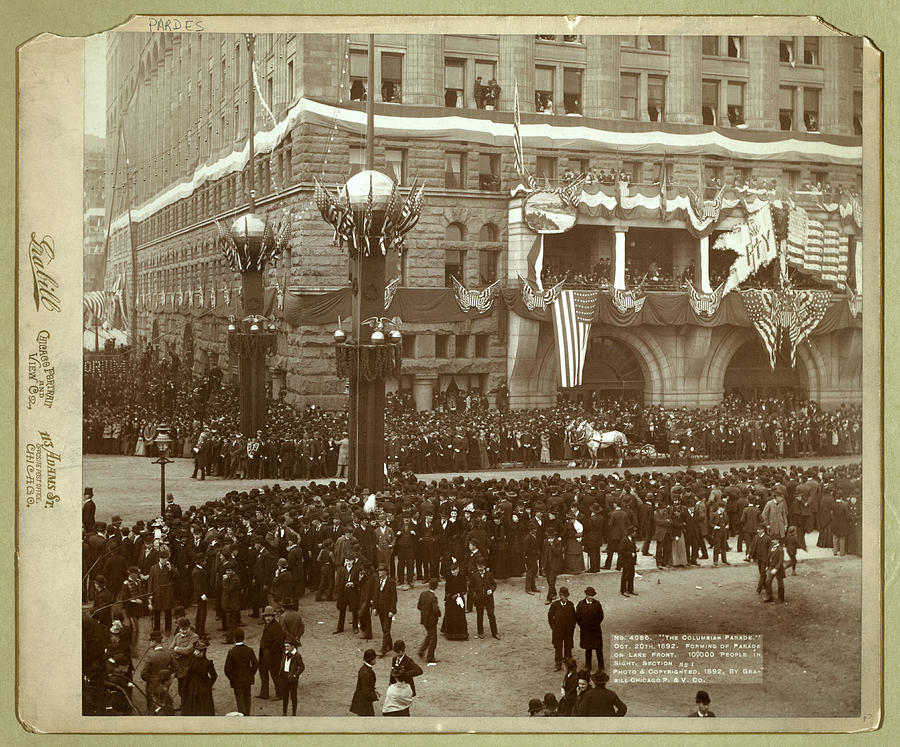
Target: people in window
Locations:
point(357, 90)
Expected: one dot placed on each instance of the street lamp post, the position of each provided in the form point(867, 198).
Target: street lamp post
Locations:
point(163, 442)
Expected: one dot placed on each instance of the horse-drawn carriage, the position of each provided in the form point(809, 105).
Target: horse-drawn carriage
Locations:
point(582, 433)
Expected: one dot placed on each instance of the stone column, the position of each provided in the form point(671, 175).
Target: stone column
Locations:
point(619, 281)
point(424, 71)
point(761, 96)
point(600, 95)
point(836, 100)
point(516, 58)
point(704, 265)
point(643, 114)
point(684, 84)
point(423, 391)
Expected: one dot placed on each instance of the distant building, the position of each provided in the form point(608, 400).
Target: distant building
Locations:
point(688, 112)
point(94, 211)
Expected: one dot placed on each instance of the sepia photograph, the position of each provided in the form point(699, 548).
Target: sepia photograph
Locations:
point(453, 375)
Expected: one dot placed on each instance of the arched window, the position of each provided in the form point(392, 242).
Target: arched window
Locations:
point(488, 232)
point(455, 232)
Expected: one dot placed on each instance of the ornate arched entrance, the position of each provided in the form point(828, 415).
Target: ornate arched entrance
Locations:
point(750, 376)
point(611, 371)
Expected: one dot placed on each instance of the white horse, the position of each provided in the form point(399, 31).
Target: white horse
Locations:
point(583, 433)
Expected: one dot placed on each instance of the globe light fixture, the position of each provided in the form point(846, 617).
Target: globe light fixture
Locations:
point(394, 336)
point(340, 336)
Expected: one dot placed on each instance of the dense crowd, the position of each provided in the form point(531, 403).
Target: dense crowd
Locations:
point(266, 549)
point(463, 433)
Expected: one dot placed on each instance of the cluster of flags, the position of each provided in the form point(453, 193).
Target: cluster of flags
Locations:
point(481, 300)
point(810, 247)
point(785, 316)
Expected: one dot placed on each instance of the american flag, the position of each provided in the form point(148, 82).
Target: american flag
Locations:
point(573, 313)
point(539, 299)
point(389, 290)
point(481, 300)
point(808, 306)
point(762, 307)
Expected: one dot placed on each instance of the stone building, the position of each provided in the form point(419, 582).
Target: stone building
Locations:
point(688, 112)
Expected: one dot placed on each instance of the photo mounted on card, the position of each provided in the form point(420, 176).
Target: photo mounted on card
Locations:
point(397, 368)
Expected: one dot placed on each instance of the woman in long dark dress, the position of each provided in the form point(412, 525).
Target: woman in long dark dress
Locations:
point(201, 675)
point(499, 556)
point(514, 534)
point(455, 627)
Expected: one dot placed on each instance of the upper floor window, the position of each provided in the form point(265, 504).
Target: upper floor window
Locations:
point(656, 97)
point(543, 89)
point(810, 50)
point(735, 104)
point(454, 83)
point(454, 177)
point(359, 75)
point(710, 46)
point(656, 43)
point(628, 95)
point(395, 159)
point(572, 90)
point(736, 47)
point(391, 77)
point(710, 102)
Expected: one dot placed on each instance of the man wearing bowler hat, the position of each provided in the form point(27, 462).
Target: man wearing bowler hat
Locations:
point(271, 649)
point(384, 602)
point(589, 616)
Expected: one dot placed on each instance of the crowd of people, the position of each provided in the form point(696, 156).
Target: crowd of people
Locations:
point(263, 551)
point(463, 433)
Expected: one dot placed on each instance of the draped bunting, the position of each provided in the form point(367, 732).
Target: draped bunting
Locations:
point(625, 300)
point(481, 300)
point(539, 299)
point(704, 304)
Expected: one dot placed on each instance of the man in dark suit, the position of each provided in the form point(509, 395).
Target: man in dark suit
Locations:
point(775, 570)
point(271, 643)
point(240, 669)
point(429, 614)
point(482, 586)
point(263, 575)
point(200, 589)
point(384, 602)
point(598, 701)
point(365, 694)
point(289, 672)
point(593, 537)
point(589, 616)
point(628, 559)
point(347, 591)
point(88, 510)
point(403, 663)
point(617, 523)
point(561, 617)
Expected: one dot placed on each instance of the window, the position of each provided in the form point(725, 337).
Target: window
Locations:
point(786, 50)
point(391, 77)
point(454, 265)
point(580, 165)
point(222, 130)
point(786, 108)
point(357, 159)
point(811, 109)
point(656, 97)
point(632, 169)
point(857, 56)
point(714, 176)
point(441, 345)
point(455, 232)
point(791, 179)
point(810, 50)
point(818, 179)
point(481, 346)
point(290, 71)
point(628, 41)
point(628, 95)
point(489, 232)
point(237, 121)
point(454, 83)
point(408, 343)
point(270, 92)
point(454, 175)
point(857, 113)
point(487, 267)
point(395, 159)
point(710, 102)
point(735, 103)
point(484, 75)
point(543, 89)
point(657, 43)
point(572, 90)
point(489, 172)
point(462, 346)
point(743, 176)
point(546, 167)
point(736, 47)
point(711, 46)
point(359, 73)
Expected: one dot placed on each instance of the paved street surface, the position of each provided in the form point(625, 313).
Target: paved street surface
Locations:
point(129, 486)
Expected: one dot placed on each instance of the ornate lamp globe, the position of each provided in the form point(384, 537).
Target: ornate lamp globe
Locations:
point(248, 231)
point(358, 187)
point(394, 336)
point(232, 327)
point(340, 336)
point(377, 337)
point(254, 327)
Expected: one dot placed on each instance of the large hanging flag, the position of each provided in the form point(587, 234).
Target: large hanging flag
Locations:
point(807, 307)
point(762, 308)
point(536, 262)
point(753, 242)
point(573, 314)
